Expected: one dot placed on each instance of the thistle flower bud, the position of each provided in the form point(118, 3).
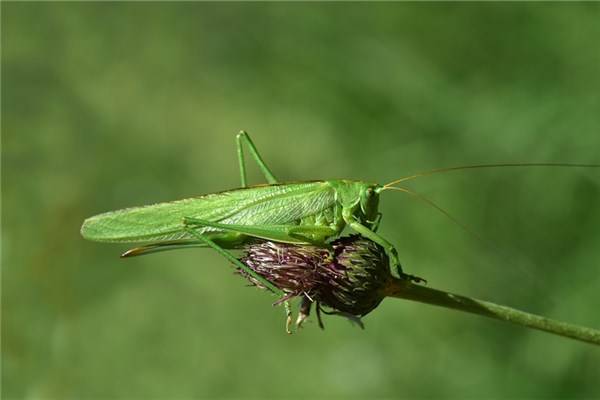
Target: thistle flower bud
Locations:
point(351, 277)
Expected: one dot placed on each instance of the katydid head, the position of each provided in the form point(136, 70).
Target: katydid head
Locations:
point(369, 202)
point(359, 197)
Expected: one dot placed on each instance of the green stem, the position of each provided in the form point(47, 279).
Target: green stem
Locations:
point(405, 289)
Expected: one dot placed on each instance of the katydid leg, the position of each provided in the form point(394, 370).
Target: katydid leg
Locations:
point(303, 238)
point(369, 234)
point(300, 234)
point(241, 139)
point(390, 248)
point(241, 265)
point(234, 260)
point(375, 225)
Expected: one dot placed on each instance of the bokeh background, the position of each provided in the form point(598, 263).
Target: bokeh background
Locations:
point(109, 105)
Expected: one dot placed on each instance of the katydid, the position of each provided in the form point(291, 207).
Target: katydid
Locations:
point(308, 212)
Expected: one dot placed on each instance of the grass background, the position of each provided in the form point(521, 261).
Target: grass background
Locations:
point(109, 105)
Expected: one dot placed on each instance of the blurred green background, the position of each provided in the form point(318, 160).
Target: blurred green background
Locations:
point(109, 105)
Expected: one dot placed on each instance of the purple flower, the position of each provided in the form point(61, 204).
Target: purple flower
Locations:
point(350, 278)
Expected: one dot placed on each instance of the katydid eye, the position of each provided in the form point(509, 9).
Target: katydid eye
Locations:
point(370, 192)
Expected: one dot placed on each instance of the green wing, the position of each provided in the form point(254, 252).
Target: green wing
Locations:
point(277, 204)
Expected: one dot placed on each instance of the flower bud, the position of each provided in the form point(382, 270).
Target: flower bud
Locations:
point(351, 277)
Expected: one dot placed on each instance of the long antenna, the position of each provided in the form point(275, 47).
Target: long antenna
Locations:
point(451, 169)
point(544, 285)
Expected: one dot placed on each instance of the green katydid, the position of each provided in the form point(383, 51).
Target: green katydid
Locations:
point(309, 212)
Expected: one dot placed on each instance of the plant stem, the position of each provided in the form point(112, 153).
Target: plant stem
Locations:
point(404, 289)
